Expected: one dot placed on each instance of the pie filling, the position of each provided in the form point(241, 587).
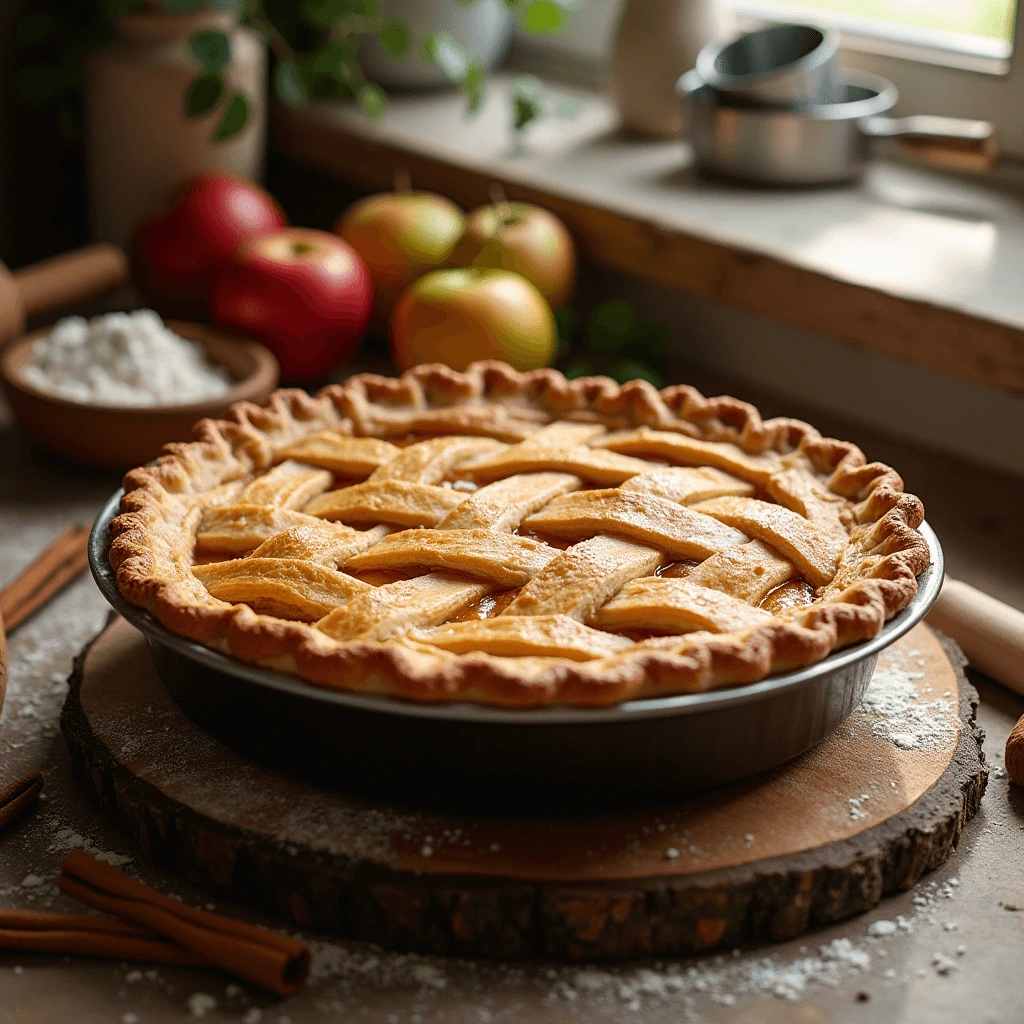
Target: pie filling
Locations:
point(578, 542)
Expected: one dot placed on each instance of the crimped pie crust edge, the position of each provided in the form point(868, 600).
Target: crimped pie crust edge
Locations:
point(491, 397)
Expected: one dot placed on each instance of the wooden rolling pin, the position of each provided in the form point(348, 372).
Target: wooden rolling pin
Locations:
point(57, 282)
point(992, 636)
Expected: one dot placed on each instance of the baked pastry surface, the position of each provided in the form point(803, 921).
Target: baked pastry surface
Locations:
point(517, 539)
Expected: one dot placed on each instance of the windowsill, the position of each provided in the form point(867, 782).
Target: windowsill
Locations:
point(919, 265)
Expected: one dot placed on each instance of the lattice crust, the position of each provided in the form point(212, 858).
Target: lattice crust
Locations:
point(517, 539)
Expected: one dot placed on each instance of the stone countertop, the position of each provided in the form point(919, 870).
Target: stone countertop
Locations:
point(956, 957)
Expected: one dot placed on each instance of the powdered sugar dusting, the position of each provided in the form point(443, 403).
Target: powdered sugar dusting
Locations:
point(905, 717)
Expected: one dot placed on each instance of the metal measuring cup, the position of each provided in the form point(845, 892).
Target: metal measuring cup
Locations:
point(778, 66)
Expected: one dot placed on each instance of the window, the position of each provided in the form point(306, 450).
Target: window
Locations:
point(961, 58)
point(980, 28)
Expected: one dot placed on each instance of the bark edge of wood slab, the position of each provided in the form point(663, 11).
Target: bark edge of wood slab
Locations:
point(476, 915)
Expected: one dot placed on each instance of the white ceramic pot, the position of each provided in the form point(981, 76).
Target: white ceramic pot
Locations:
point(483, 27)
point(657, 41)
point(139, 142)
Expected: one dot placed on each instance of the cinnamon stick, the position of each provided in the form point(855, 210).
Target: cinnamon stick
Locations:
point(53, 570)
point(275, 962)
point(36, 931)
point(18, 797)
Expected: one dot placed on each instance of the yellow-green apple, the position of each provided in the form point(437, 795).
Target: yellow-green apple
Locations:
point(524, 238)
point(400, 237)
point(459, 315)
point(177, 248)
point(304, 293)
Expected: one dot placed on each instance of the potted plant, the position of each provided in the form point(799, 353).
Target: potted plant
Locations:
point(174, 87)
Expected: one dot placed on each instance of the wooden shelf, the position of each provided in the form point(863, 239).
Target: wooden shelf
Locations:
point(918, 265)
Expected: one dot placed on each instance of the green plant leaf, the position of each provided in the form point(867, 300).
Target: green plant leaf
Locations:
point(542, 17)
point(647, 342)
point(289, 84)
point(236, 117)
point(394, 37)
point(527, 98)
point(204, 94)
point(324, 13)
point(580, 368)
point(331, 59)
point(444, 50)
point(211, 48)
point(472, 86)
point(566, 320)
point(373, 100)
point(610, 326)
point(623, 370)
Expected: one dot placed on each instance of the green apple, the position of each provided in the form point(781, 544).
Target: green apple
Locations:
point(524, 238)
point(458, 316)
point(400, 236)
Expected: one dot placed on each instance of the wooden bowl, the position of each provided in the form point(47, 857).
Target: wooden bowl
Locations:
point(121, 437)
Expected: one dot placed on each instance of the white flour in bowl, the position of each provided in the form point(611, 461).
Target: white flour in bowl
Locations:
point(123, 359)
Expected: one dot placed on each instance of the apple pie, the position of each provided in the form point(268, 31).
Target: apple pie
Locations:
point(516, 539)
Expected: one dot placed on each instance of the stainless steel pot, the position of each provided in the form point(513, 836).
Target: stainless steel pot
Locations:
point(824, 143)
point(782, 66)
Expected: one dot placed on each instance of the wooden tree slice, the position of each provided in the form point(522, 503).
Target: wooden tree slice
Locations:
point(866, 812)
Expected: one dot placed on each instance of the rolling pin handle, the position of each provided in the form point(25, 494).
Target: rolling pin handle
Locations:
point(71, 277)
point(990, 633)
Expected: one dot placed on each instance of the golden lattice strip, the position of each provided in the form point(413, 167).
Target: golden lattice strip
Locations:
point(288, 588)
point(504, 504)
point(551, 636)
point(505, 559)
point(747, 572)
point(808, 496)
point(657, 522)
point(599, 467)
point(329, 544)
point(289, 485)
point(583, 577)
point(387, 501)
point(686, 484)
point(237, 529)
point(676, 606)
point(342, 455)
point(562, 434)
point(379, 613)
point(429, 462)
point(813, 551)
point(689, 451)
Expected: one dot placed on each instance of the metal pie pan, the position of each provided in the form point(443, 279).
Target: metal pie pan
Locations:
point(489, 759)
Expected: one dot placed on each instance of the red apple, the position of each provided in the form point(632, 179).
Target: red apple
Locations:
point(304, 293)
point(400, 236)
point(524, 238)
point(457, 316)
point(177, 248)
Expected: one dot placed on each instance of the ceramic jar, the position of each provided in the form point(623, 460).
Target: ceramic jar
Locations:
point(483, 28)
point(139, 142)
point(657, 41)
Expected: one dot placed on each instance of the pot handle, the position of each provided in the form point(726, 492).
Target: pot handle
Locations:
point(959, 143)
